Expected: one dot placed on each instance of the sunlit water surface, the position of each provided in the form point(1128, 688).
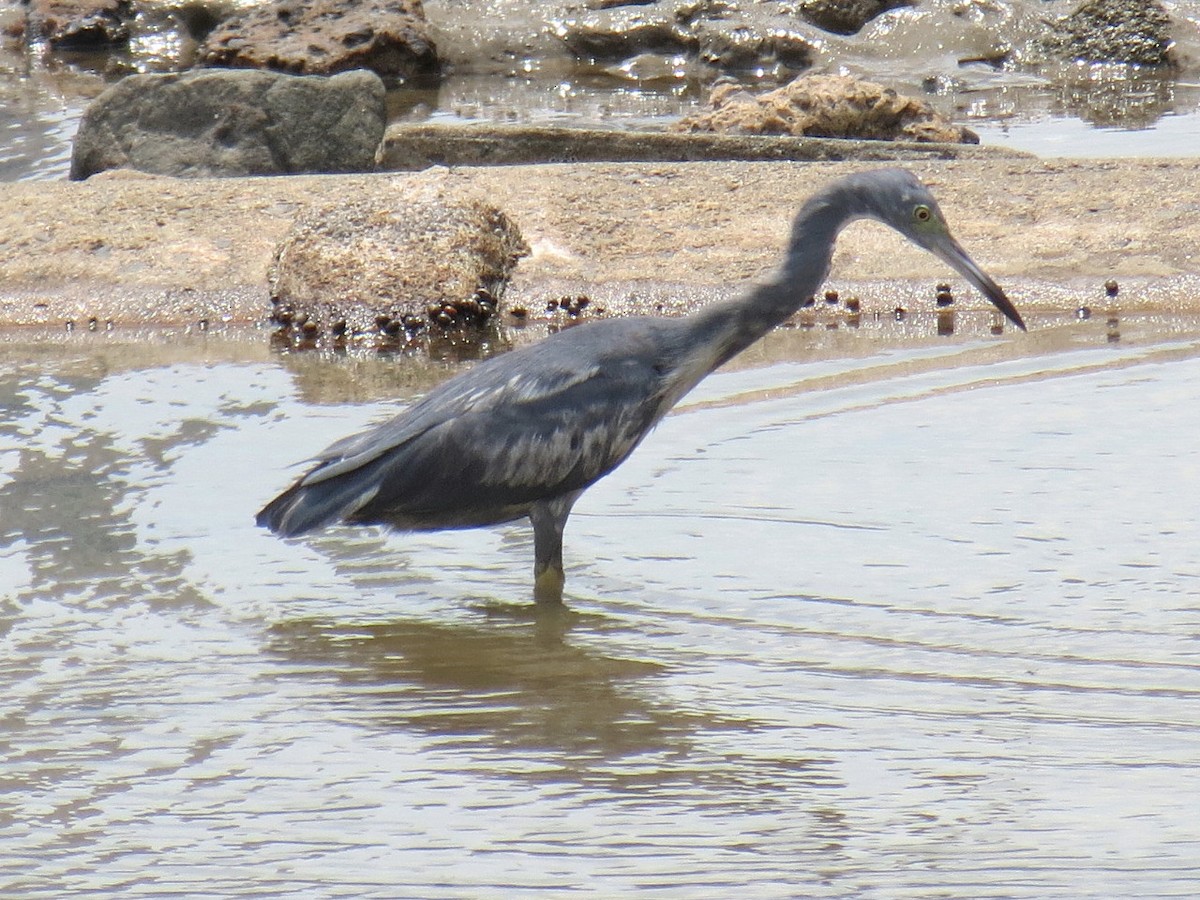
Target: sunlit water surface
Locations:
point(921, 623)
point(39, 118)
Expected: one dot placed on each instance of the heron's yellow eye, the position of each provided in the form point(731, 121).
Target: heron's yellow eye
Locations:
point(922, 213)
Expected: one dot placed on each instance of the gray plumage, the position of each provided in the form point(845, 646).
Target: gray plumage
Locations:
point(523, 434)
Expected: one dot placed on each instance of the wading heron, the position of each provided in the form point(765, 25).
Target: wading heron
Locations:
point(525, 433)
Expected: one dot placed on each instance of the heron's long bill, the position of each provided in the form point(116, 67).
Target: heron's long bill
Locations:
point(948, 250)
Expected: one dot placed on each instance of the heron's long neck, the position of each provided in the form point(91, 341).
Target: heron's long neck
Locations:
point(732, 326)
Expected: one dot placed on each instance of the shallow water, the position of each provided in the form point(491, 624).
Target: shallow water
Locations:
point(1090, 113)
point(38, 124)
point(914, 623)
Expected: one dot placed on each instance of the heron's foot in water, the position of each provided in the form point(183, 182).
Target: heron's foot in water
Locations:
point(548, 585)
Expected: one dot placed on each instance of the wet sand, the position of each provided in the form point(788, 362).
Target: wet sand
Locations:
point(138, 251)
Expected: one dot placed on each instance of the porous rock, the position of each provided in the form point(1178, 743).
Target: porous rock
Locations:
point(836, 106)
point(232, 122)
point(79, 24)
point(1126, 31)
point(433, 259)
point(716, 33)
point(389, 37)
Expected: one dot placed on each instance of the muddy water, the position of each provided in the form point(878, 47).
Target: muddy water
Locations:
point(911, 623)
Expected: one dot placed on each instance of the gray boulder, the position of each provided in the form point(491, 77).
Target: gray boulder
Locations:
point(233, 122)
point(389, 37)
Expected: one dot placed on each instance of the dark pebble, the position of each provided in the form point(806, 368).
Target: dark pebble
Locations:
point(945, 322)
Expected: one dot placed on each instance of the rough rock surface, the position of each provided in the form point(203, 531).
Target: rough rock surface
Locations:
point(233, 122)
point(846, 16)
point(79, 24)
point(711, 33)
point(383, 267)
point(826, 106)
point(1126, 31)
point(390, 37)
point(412, 146)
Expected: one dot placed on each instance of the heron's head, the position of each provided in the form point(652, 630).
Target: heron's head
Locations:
point(897, 198)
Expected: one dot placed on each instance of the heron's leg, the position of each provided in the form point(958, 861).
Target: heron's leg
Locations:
point(549, 518)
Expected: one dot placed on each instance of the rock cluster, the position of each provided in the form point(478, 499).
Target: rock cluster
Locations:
point(827, 106)
point(220, 122)
point(766, 42)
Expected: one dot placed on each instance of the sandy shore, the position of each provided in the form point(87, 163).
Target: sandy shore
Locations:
point(135, 251)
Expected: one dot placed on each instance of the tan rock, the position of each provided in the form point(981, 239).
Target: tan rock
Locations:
point(422, 256)
point(826, 106)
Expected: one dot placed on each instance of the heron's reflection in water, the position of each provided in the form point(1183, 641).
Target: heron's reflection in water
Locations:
point(519, 690)
point(514, 683)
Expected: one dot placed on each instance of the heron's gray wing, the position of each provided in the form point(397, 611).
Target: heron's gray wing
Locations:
point(534, 435)
point(532, 424)
point(494, 384)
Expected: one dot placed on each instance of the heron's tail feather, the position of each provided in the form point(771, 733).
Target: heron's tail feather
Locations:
point(305, 507)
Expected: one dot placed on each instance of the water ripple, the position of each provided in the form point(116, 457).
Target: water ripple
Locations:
point(917, 626)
